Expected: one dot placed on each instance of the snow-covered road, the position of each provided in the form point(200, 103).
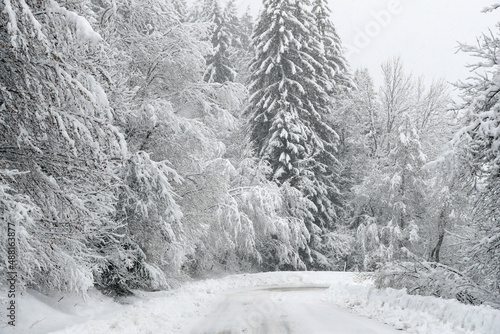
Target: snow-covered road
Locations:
point(267, 303)
point(283, 310)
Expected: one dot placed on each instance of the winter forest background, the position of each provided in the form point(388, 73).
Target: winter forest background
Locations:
point(143, 143)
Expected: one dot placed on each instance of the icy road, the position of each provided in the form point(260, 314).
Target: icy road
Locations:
point(283, 310)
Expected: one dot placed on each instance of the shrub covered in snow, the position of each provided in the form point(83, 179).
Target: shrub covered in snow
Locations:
point(434, 279)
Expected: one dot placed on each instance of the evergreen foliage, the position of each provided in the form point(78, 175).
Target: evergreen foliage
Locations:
point(332, 45)
point(132, 155)
point(288, 109)
point(218, 67)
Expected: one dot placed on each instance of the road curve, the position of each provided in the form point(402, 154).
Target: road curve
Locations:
point(284, 310)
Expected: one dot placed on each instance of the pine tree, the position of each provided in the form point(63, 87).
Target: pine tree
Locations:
point(242, 52)
point(232, 21)
point(288, 106)
point(218, 67)
point(246, 29)
point(172, 120)
point(332, 45)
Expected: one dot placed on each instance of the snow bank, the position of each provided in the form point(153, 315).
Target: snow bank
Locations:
point(37, 313)
point(414, 314)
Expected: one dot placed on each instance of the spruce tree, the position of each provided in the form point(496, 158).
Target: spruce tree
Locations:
point(218, 66)
point(232, 21)
point(332, 44)
point(288, 106)
point(242, 52)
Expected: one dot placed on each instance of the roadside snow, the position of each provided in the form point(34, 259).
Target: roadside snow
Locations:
point(37, 313)
point(414, 314)
point(178, 310)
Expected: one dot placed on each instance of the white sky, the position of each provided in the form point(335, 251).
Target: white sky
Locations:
point(425, 33)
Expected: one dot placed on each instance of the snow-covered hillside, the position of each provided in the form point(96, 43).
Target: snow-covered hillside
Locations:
point(186, 309)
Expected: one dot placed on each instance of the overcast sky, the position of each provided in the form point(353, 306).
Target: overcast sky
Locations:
point(425, 33)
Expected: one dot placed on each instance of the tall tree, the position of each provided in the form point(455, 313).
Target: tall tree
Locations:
point(242, 52)
point(230, 12)
point(58, 146)
point(393, 202)
point(479, 148)
point(288, 106)
point(332, 45)
point(177, 201)
point(218, 66)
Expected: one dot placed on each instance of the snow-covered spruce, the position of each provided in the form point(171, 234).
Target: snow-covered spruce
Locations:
point(287, 112)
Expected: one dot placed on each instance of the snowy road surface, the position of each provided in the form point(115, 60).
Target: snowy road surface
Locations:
point(267, 303)
point(284, 310)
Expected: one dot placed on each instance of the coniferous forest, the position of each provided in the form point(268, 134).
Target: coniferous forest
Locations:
point(146, 143)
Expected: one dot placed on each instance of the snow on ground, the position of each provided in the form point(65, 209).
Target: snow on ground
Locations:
point(37, 313)
point(282, 310)
point(185, 309)
point(415, 314)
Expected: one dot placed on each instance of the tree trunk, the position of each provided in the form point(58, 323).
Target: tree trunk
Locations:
point(441, 230)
